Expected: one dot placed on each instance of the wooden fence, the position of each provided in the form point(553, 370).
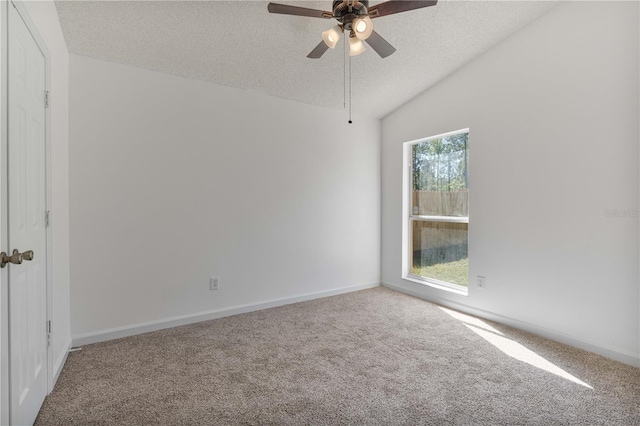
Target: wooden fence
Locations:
point(438, 235)
point(440, 203)
point(427, 236)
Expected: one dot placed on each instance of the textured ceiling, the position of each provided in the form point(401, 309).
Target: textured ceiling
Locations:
point(239, 44)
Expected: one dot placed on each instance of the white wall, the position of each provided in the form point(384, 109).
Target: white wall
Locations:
point(174, 180)
point(553, 117)
point(45, 17)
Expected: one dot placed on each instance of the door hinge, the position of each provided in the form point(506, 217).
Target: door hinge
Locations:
point(47, 218)
point(47, 100)
point(48, 333)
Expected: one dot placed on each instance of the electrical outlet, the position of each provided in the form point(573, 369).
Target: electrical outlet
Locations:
point(481, 282)
point(214, 283)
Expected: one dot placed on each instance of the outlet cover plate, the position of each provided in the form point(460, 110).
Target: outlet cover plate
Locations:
point(214, 283)
point(481, 282)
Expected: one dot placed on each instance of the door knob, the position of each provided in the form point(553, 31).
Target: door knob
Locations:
point(16, 257)
point(27, 255)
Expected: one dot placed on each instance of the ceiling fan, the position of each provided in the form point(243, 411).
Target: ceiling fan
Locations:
point(354, 17)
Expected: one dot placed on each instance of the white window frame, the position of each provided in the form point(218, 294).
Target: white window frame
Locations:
point(408, 218)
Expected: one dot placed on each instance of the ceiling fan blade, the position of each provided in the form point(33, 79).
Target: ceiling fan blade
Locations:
point(318, 51)
point(397, 6)
point(298, 11)
point(380, 45)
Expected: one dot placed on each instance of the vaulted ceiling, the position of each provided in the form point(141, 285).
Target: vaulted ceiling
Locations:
point(239, 44)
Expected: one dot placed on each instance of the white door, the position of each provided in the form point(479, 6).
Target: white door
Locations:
point(26, 230)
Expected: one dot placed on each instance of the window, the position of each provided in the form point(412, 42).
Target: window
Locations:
point(436, 211)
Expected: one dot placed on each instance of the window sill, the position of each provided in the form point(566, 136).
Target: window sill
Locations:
point(452, 219)
point(439, 285)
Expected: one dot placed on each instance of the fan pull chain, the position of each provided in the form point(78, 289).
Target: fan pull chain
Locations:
point(344, 73)
point(350, 90)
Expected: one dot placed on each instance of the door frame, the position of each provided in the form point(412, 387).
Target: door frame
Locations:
point(5, 371)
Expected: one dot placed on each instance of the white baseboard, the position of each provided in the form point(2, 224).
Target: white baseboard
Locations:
point(131, 330)
point(613, 353)
point(59, 364)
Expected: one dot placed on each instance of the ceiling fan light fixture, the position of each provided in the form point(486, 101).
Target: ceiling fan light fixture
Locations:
point(363, 27)
point(355, 46)
point(331, 36)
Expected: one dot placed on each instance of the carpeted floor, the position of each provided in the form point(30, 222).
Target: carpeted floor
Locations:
point(373, 357)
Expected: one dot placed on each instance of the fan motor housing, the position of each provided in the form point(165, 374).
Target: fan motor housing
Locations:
point(341, 8)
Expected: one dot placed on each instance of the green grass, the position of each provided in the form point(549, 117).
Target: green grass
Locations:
point(450, 272)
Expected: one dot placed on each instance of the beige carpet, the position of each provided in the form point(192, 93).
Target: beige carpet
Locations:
point(374, 357)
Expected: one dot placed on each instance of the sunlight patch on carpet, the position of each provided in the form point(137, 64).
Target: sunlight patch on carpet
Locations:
point(519, 352)
point(511, 348)
point(467, 319)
